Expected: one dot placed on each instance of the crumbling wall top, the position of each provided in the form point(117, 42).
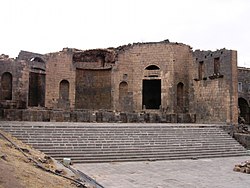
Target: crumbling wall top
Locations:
point(128, 46)
point(5, 57)
point(30, 56)
point(107, 55)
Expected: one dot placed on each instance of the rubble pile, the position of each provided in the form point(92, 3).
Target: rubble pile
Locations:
point(243, 167)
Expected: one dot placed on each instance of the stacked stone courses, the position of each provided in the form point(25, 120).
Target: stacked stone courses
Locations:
point(140, 82)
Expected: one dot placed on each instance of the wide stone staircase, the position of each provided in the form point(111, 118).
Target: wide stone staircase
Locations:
point(94, 142)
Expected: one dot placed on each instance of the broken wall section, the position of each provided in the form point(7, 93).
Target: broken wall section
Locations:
point(244, 93)
point(60, 80)
point(37, 77)
point(14, 74)
point(215, 86)
point(93, 79)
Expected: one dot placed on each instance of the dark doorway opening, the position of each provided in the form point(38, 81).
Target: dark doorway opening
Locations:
point(180, 97)
point(6, 89)
point(244, 110)
point(36, 89)
point(151, 94)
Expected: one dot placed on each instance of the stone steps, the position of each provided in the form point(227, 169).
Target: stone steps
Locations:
point(156, 158)
point(125, 142)
point(141, 152)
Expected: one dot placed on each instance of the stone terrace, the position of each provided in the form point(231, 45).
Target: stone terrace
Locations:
point(109, 142)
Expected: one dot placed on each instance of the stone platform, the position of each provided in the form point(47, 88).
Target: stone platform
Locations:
point(113, 142)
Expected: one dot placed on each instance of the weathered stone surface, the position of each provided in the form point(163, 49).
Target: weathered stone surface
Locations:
point(142, 82)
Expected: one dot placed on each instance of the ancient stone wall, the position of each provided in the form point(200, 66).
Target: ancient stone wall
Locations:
point(164, 80)
point(35, 78)
point(16, 90)
point(59, 69)
point(93, 79)
point(215, 86)
point(244, 93)
point(244, 83)
point(139, 64)
point(93, 89)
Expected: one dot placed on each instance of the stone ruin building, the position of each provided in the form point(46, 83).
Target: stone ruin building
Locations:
point(140, 82)
point(244, 93)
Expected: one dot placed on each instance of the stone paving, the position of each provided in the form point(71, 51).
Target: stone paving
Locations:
point(201, 173)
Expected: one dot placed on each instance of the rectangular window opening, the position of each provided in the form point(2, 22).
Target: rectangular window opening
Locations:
point(217, 65)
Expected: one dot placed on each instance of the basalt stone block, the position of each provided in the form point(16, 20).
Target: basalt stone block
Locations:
point(108, 117)
point(99, 117)
point(117, 117)
point(83, 116)
point(92, 116)
point(56, 116)
point(26, 115)
point(132, 118)
point(141, 118)
point(147, 117)
point(1, 113)
point(12, 115)
point(243, 139)
point(173, 118)
point(73, 116)
point(154, 118)
point(18, 115)
point(123, 117)
point(66, 116)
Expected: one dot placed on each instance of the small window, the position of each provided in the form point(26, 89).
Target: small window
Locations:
point(217, 65)
point(152, 67)
point(201, 70)
point(240, 86)
point(37, 59)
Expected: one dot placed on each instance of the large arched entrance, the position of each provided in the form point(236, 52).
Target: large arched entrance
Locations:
point(244, 110)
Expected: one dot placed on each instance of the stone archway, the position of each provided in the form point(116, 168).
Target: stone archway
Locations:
point(6, 86)
point(244, 109)
point(123, 95)
point(64, 90)
point(63, 101)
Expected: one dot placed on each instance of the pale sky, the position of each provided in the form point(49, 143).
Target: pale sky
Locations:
point(44, 26)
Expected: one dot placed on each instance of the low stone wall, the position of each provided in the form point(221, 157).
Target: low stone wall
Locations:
point(243, 139)
point(94, 116)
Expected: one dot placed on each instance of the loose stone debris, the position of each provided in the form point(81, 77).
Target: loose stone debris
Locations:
point(243, 167)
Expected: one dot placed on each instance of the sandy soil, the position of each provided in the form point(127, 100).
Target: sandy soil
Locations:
point(16, 170)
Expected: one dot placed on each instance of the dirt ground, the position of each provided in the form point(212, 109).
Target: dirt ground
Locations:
point(16, 170)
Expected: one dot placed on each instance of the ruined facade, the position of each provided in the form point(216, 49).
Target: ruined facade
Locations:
point(141, 82)
point(244, 93)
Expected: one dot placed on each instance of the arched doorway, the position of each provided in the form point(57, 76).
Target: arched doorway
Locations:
point(63, 101)
point(6, 86)
point(244, 109)
point(123, 95)
point(64, 90)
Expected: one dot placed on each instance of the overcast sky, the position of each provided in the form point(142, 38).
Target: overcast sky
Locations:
point(45, 26)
